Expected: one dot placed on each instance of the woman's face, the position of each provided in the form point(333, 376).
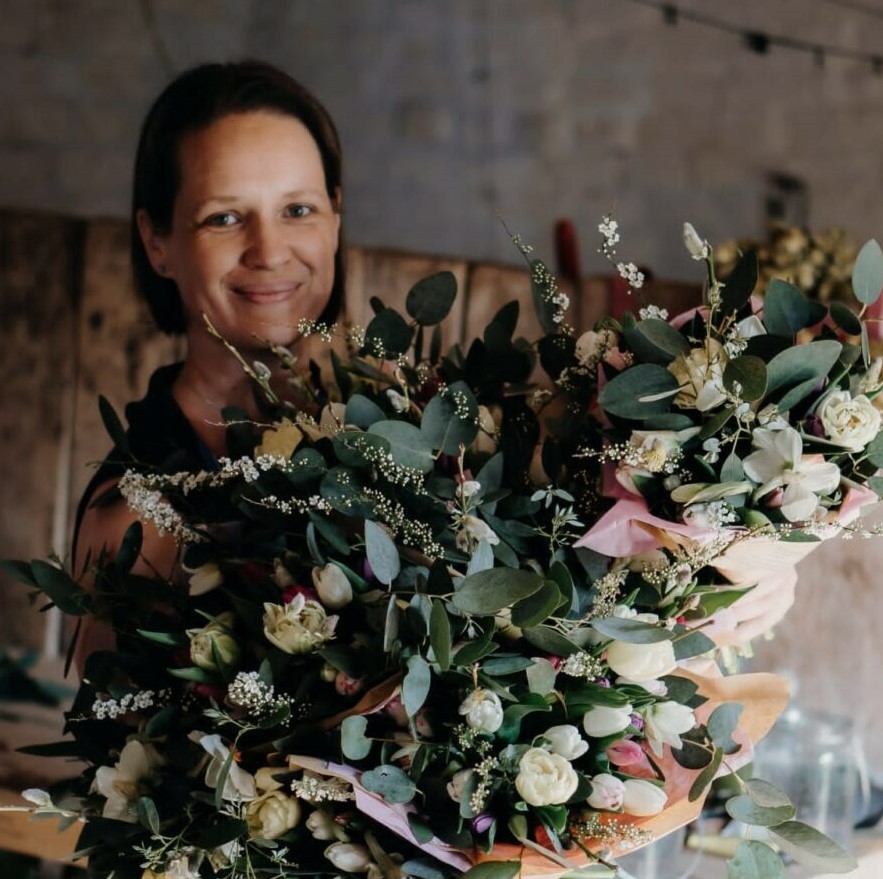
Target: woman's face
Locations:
point(254, 232)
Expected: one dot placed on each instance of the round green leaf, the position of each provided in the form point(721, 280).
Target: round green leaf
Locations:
point(391, 783)
point(746, 376)
point(488, 592)
point(632, 631)
point(451, 418)
point(430, 299)
point(534, 609)
point(765, 794)
point(407, 444)
point(845, 318)
point(740, 283)
point(722, 723)
point(494, 870)
point(743, 809)
point(811, 848)
point(353, 741)
point(656, 341)
point(382, 553)
point(802, 363)
point(388, 335)
point(362, 412)
point(867, 273)
point(639, 392)
point(755, 860)
point(415, 686)
point(786, 310)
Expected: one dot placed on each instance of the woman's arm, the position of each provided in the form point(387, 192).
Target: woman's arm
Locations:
point(103, 527)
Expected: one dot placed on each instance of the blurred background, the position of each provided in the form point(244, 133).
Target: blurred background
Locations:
point(454, 116)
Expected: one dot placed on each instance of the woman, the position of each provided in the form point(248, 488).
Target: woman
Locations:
point(235, 218)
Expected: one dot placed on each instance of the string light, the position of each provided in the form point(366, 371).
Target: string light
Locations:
point(761, 42)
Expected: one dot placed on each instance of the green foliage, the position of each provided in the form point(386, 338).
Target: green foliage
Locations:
point(391, 783)
point(429, 301)
point(640, 392)
point(382, 553)
point(867, 273)
point(488, 592)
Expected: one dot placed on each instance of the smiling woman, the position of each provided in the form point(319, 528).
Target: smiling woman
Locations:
point(235, 219)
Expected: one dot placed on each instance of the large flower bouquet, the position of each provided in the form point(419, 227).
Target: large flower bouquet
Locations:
point(446, 615)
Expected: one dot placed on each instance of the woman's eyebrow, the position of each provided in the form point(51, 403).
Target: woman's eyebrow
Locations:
point(232, 199)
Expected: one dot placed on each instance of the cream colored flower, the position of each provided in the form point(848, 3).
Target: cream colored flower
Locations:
point(545, 779)
point(204, 579)
point(700, 373)
point(606, 720)
point(301, 626)
point(321, 825)
point(664, 722)
point(333, 587)
point(457, 784)
point(851, 422)
point(697, 247)
point(349, 857)
point(483, 710)
point(566, 741)
point(239, 784)
point(121, 785)
point(214, 640)
point(642, 798)
point(272, 814)
point(641, 662)
point(592, 345)
point(264, 778)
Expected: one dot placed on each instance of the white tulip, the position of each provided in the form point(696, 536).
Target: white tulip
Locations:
point(458, 783)
point(566, 741)
point(349, 857)
point(333, 587)
point(608, 792)
point(120, 784)
point(322, 825)
point(696, 246)
point(606, 720)
point(641, 662)
point(643, 798)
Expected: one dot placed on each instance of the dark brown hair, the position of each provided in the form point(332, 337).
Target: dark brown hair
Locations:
point(191, 102)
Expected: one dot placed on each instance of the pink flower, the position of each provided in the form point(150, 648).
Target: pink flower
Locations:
point(629, 756)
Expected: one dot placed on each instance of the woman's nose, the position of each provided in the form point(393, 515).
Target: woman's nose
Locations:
point(268, 247)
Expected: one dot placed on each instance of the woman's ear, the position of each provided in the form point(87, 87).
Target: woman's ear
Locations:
point(154, 243)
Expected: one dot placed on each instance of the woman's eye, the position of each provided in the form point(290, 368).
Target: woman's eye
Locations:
point(223, 219)
point(299, 210)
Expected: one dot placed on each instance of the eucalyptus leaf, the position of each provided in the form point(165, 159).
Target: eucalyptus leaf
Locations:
point(382, 553)
point(362, 412)
point(845, 318)
point(622, 395)
point(763, 793)
point(416, 684)
point(811, 848)
point(694, 644)
point(541, 676)
point(440, 634)
point(391, 783)
point(488, 592)
point(656, 341)
point(706, 777)
point(722, 723)
point(755, 860)
point(113, 425)
point(802, 363)
point(743, 809)
point(746, 376)
point(536, 608)
point(353, 741)
point(388, 335)
point(430, 299)
point(740, 283)
point(493, 870)
point(450, 419)
point(867, 273)
point(786, 310)
point(482, 558)
point(61, 589)
point(147, 814)
point(631, 631)
point(550, 640)
point(408, 445)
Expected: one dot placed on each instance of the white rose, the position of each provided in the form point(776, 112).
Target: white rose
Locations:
point(322, 825)
point(211, 639)
point(700, 373)
point(545, 779)
point(696, 247)
point(469, 488)
point(566, 741)
point(272, 815)
point(608, 792)
point(641, 662)
point(349, 857)
point(605, 720)
point(851, 422)
point(458, 783)
point(333, 586)
point(483, 710)
point(205, 578)
point(591, 346)
point(643, 798)
point(301, 626)
point(664, 722)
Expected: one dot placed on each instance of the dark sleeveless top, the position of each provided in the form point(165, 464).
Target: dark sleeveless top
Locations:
point(158, 435)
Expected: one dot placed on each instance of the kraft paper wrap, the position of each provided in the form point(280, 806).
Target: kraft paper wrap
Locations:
point(763, 697)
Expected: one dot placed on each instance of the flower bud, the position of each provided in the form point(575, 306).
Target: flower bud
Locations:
point(205, 578)
point(643, 798)
point(696, 247)
point(321, 824)
point(347, 686)
point(211, 639)
point(333, 587)
point(641, 662)
point(457, 784)
point(566, 741)
point(264, 779)
point(349, 857)
point(607, 792)
point(272, 815)
point(606, 720)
